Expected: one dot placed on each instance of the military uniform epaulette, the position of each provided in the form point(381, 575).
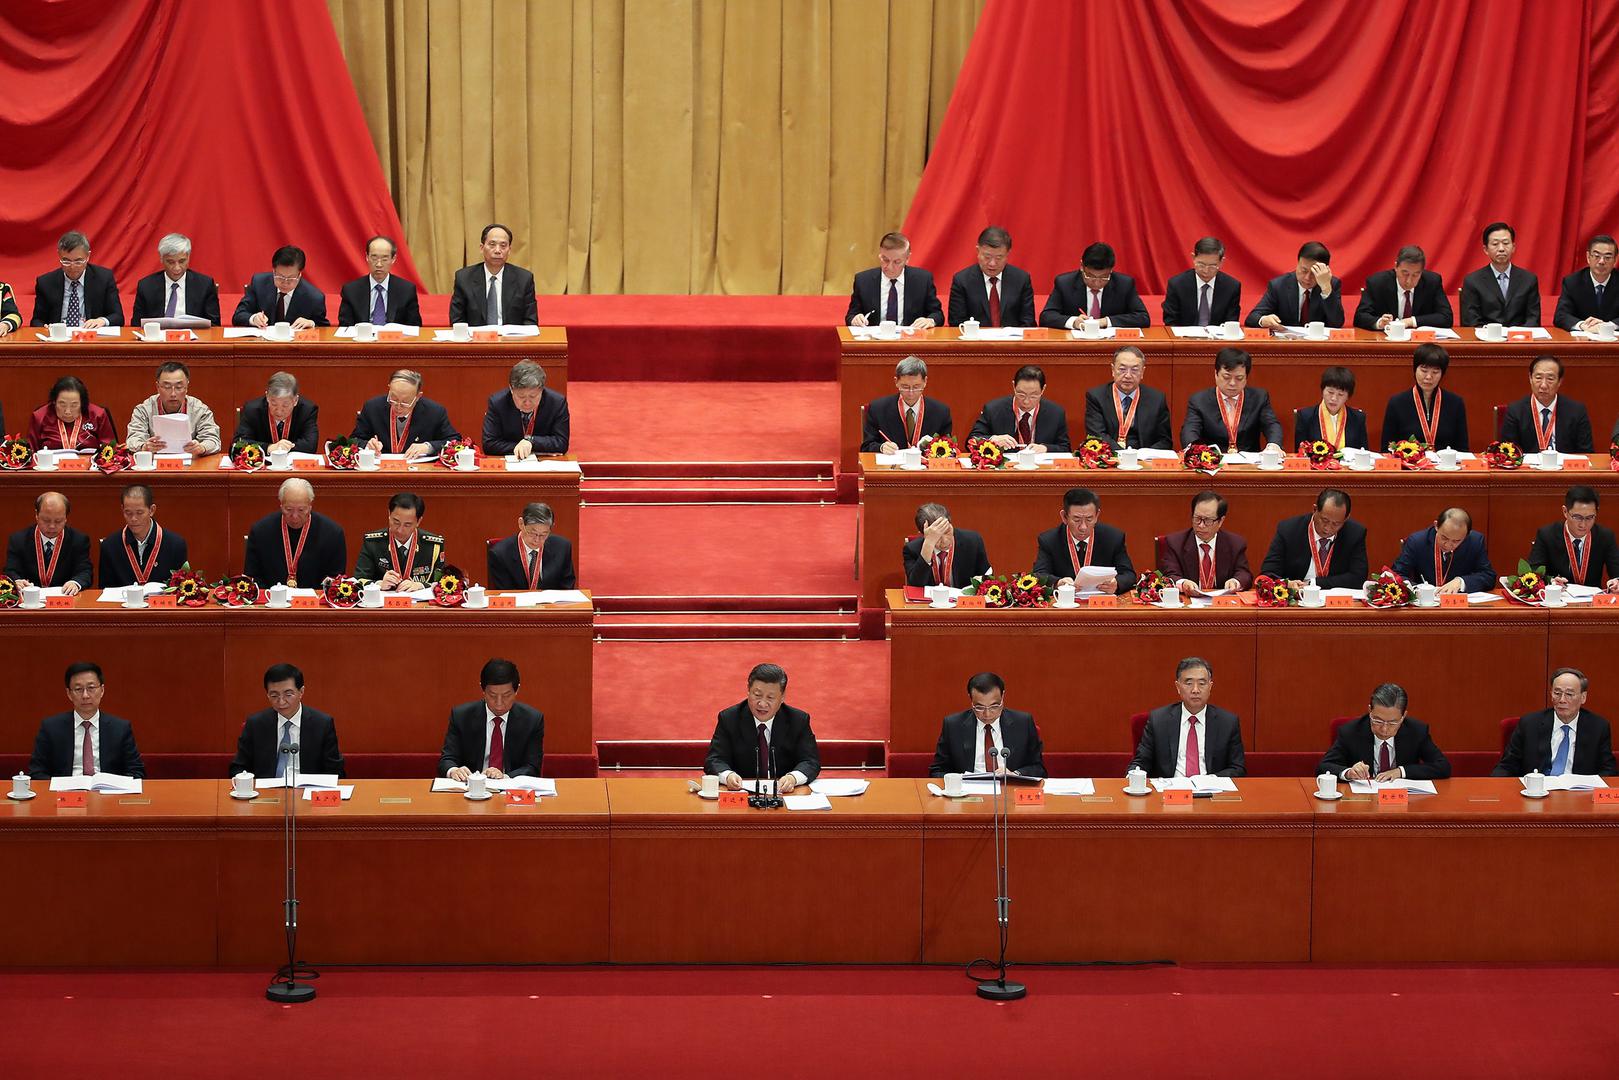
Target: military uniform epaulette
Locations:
point(380, 534)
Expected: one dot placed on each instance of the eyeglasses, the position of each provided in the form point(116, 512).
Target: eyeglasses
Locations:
point(1387, 723)
point(286, 279)
point(1583, 519)
point(74, 264)
point(989, 710)
point(1206, 267)
point(1594, 256)
point(1199, 519)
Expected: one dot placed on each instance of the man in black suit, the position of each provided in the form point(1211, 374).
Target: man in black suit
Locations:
point(282, 295)
point(1410, 294)
point(1192, 738)
point(1309, 294)
point(535, 558)
point(49, 553)
point(992, 291)
point(1231, 414)
point(1577, 549)
point(176, 289)
point(893, 291)
point(85, 741)
point(142, 551)
point(764, 729)
point(1332, 421)
point(1082, 540)
point(1542, 741)
point(526, 418)
point(1500, 292)
point(1024, 418)
point(287, 723)
point(1094, 292)
point(402, 421)
point(1545, 420)
point(904, 418)
point(79, 293)
point(1425, 412)
point(1448, 555)
point(379, 297)
point(1588, 299)
point(498, 736)
point(280, 420)
point(315, 542)
point(1385, 744)
point(1323, 548)
point(1206, 557)
point(1126, 404)
point(1205, 295)
point(494, 292)
point(987, 736)
point(943, 554)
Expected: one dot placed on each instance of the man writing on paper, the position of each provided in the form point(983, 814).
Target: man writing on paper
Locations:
point(176, 290)
point(987, 736)
point(1205, 295)
point(1566, 738)
point(1448, 554)
point(1544, 419)
point(402, 421)
point(142, 551)
point(1576, 549)
point(1499, 292)
point(1024, 419)
point(1192, 738)
point(992, 290)
point(1231, 414)
point(379, 298)
point(1410, 295)
point(280, 420)
point(1309, 294)
point(80, 293)
point(904, 418)
point(535, 558)
point(1095, 293)
point(894, 291)
point(526, 418)
point(1126, 411)
point(1323, 548)
point(287, 723)
point(403, 557)
point(49, 553)
point(1205, 557)
point(1081, 541)
point(498, 736)
point(764, 729)
point(1385, 744)
point(943, 554)
point(282, 295)
point(295, 547)
point(174, 410)
point(85, 741)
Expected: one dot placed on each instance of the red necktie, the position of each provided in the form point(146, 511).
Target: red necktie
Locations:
point(1383, 763)
point(497, 746)
point(1304, 308)
point(1205, 576)
point(764, 753)
point(994, 302)
point(1096, 305)
point(1191, 747)
point(1407, 313)
point(938, 569)
point(1025, 434)
point(89, 764)
point(989, 749)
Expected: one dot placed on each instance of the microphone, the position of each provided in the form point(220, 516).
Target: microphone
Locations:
point(764, 798)
point(997, 988)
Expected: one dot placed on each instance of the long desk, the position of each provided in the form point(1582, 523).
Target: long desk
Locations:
point(187, 678)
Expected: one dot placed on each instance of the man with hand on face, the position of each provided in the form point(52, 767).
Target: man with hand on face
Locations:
point(904, 418)
point(1205, 295)
point(1385, 744)
point(534, 559)
point(173, 397)
point(764, 729)
point(987, 736)
point(1024, 419)
point(402, 421)
point(85, 741)
point(494, 292)
point(498, 736)
point(276, 544)
point(943, 554)
point(48, 553)
point(527, 418)
point(1500, 292)
point(1192, 738)
point(1577, 549)
point(403, 557)
point(1094, 292)
point(1309, 294)
point(1588, 299)
point(1206, 557)
point(1410, 295)
point(379, 297)
point(1129, 406)
point(79, 293)
point(280, 420)
point(991, 290)
point(1324, 548)
point(1231, 414)
point(894, 291)
point(1545, 420)
point(282, 295)
point(1083, 541)
point(176, 289)
point(142, 551)
point(285, 724)
point(1448, 555)
point(1562, 740)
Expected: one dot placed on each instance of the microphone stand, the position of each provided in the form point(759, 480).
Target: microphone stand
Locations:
point(285, 987)
point(999, 989)
point(762, 768)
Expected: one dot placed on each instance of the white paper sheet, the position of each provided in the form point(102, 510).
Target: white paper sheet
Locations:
point(1195, 783)
point(101, 783)
point(551, 596)
point(162, 335)
point(1586, 335)
point(230, 332)
point(1532, 461)
point(840, 788)
point(1213, 332)
point(1103, 334)
point(1082, 786)
point(1372, 787)
point(999, 333)
point(1461, 455)
point(305, 780)
point(541, 786)
point(1575, 782)
point(542, 465)
point(345, 793)
point(174, 429)
point(116, 595)
point(1484, 597)
point(806, 802)
point(1440, 333)
point(408, 331)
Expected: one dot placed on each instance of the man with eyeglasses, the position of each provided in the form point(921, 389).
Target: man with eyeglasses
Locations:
point(288, 722)
point(987, 736)
point(282, 295)
point(1024, 419)
point(1205, 557)
point(1205, 295)
point(85, 741)
point(1577, 550)
point(379, 297)
point(78, 293)
point(1563, 740)
point(1191, 737)
point(1126, 411)
point(1544, 419)
point(1094, 292)
point(1384, 744)
point(402, 421)
point(1588, 299)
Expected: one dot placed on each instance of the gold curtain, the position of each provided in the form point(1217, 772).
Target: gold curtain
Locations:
point(655, 146)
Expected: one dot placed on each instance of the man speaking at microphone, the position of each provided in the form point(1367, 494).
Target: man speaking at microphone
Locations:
point(763, 729)
point(988, 737)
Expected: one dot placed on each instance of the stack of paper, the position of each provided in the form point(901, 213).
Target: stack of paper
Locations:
point(1372, 787)
point(116, 594)
point(540, 785)
point(1084, 786)
point(101, 782)
point(551, 596)
point(836, 788)
point(541, 464)
point(174, 429)
point(1000, 333)
point(1575, 782)
point(1195, 783)
point(806, 802)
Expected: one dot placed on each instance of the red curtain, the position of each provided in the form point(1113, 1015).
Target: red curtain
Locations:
point(233, 122)
point(1365, 125)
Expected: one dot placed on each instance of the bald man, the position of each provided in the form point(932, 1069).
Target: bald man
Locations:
point(48, 553)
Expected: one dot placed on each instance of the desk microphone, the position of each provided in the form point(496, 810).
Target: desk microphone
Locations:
point(997, 988)
point(285, 987)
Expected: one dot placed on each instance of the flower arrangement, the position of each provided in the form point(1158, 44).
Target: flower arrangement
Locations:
point(985, 454)
point(238, 591)
point(1150, 586)
point(1503, 455)
point(446, 456)
point(1389, 590)
point(10, 594)
point(450, 589)
point(1411, 454)
point(15, 453)
point(1528, 585)
point(247, 456)
point(188, 586)
point(1273, 592)
point(1096, 453)
point(1321, 455)
point(1613, 457)
point(340, 592)
point(1028, 590)
point(113, 458)
point(1201, 457)
point(940, 446)
point(343, 453)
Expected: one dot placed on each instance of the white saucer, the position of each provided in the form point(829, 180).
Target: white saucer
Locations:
point(1137, 467)
point(273, 606)
point(704, 795)
point(362, 468)
point(1030, 467)
point(1334, 797)
point(475, 607)
point(941, 607)
point(1360, 468)
point(913, 468)
point(1314, 607)
point(21, 798)
point(1448, 468)
point(244, 796)
point(137, 468)
point(1526, 793)
point(30, 607)
point(469, 468)
point(1073, 606)
point(46, 468)
point(485, 797)
point(279, 468)
point(1425, 607)
point(1138, 791)
point(1262, 467)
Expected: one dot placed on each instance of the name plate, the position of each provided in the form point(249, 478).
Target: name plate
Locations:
point(306, 335)
point(486, 335)
point(397, 602)
point(1605, 599)
point(163, 600)
point(942, 462)
point(1029, 797)
point(305, 601)
point(1178, 797)
point(1295, 464)
point(1340, 333)
point(1577, 464)
point(170, 464)
point(1606, 797)
point(1393, 797)
point(1227, 601)
point(733, 800)
point(503, 601)
point(77, 800)
point(59, 602)
point(1386, 464)
point(520, 798)
point(1162, 464)
point(1340, 601)
point(1255, 333)
point(1474, 465)
point(84, 335)
point(1127, 333)
point(328, 797)
point(73, 464)
point(390, 335)
point(1453, 600)
point(174, 336)
point(1425, 333)
point(1520, 335)
point(1067, 463)
point(970, 603)
point(1102, 602)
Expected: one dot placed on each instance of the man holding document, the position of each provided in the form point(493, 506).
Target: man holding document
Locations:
point(286, 723)
point(85, 741)
point(987, 736)
point(1192, 738)
point(497, 736)
point(171, 421)
point(764, 729)
point(1384, 744)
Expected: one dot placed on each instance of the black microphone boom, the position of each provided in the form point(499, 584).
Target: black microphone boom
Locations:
point(998, 989)
point(285, 987)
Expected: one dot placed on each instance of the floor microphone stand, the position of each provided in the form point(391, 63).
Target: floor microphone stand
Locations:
point(285, 987)
point(998, 989)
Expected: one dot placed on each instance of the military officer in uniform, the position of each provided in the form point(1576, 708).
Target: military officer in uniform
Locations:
point(403, 557)
point(10, 317)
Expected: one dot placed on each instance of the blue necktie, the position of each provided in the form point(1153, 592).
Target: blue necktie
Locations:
point(174, 300)
point(1560, 759)
point(281, 750)
point(379, 309)
point(1501, 279)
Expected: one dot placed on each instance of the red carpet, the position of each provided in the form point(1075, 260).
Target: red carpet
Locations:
point(686, 421)
point(1477, 1023)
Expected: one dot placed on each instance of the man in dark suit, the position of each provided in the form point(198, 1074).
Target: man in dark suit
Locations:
point(1094, 292)
point(176, 289)
point(379, 297)
point(79, 293)
point(1425, 412)
point(287, 722)
point(1577, 549)
point(498, 736)
point(1332, 421)
point(991, 290)
point(1410, 294)
point(49, 553)
point(1024, 418)
point(764, 729)
point(904, 418)
point(1542, 741)
point(1210, 412)
point(1325, 548)
point(1206, 557)
point(1205, 295)
point(526, 418)
point(85, 741)
point(1385, 744)
point(1448, 554)
point(280, 420)
point(402, 421)
point(1192, 738)
point(1309, 294)
point(1545, 420)
point(1500, 292)
point(893, 291)
point(282, 295)
point(494, 292)
point(1082, 540)
point(535, 558)
point(142, 551)
point(315, 542)
point(943, 554)
point(987, 736)
point(1126, 404)
point(1588, 298)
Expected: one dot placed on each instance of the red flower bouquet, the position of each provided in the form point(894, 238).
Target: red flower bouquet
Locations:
point(248, 456)
point(15, 453)
point(1272, 592)
point(340, 592)
point(1613, 457)
point(10, 594)
point(1150, 586)
point(1389, 590)
point(1528, 585)
point(238, 591)
point(113, 458)
point(940, 446)
point(446, 456)
point(1201, 457)
point(985, 454)
point(1014, 590)
point(450, 590)
point(1503, 455)
point(189, 587)
point(1321, 455)
point(1411, 454)
point(1095, 453)
point(343, 453)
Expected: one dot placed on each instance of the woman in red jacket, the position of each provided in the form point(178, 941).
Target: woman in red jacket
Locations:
point(69, 421)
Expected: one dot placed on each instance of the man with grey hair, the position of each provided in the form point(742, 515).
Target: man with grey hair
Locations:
point(1410, 295)
point(1205, 295)
point(280, 420)
point(527, 418)
point(1565, 739)
point(536, 558)
point(176, 290)
point(379, 297)
point(402, 421)
point(992, 290)
point(942, 554)
point(311, 544)
point(903, 419)
point(78, 292)
point(1385, 744)
point(1126, 411)
point(1192, 737)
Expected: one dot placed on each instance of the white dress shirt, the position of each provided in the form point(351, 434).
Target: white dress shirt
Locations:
point(979, 764)
point(1192, 768)
point(770, 727)
point(78, 742)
